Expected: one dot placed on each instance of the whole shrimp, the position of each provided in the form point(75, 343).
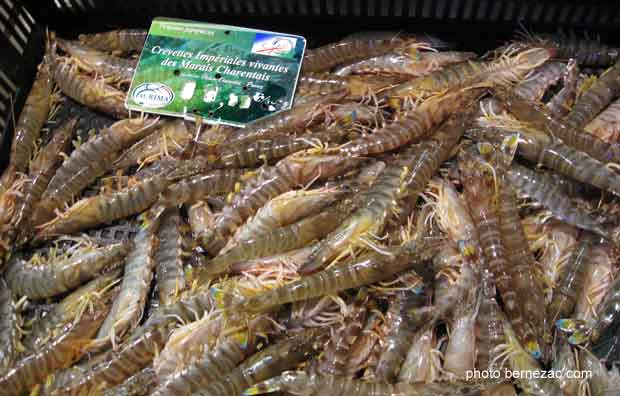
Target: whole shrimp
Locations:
point(286, 209)
point(59, 353)
point(122, 40)
point(595, 99)
point(91, 92)
point(363, 271)
point(89, 161)
point(481, 185)
point(587, 51)
point(303, 384)
point(405, 178)
point(270, 361)
point(545, 189)
point(562, 102)
point(97, 62)
point(138, 273)
point(404, 320)
point(105, 208)
point(49, 277)
point(605, 124)
point(349, 50)
point(297, 169)
point(169, 256)
point(9, 328)
point(42, 170)
point(418, 65)
point(280, 240)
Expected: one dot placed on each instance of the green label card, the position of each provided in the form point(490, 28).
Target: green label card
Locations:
point(223, 74)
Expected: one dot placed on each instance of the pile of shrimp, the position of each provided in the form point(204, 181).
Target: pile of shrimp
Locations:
point(418, 216)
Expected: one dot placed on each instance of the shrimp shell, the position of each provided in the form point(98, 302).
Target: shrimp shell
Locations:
point(561, 103)
point(363, 271)
point(97, 62)
point(541, 78)
point(122, 40)
point(609, 312)
point(139, 384)
point(200, 218)
point(129, 305)
point(606, 125)
point(88, 162)
point(169, 257)
point(595, 99)
point(105, 208)
point(9, 331)
point(587, 51)
point(93, 93)
point(28, 127)
point(293, 171)
point(355, 87)
point(38, 281)
point(418, 365)
point(349, 50)
point(56, 354)
point(404, 320)
point(415, 66)
point(490, 322)
point(545, 189)
point(460, 353)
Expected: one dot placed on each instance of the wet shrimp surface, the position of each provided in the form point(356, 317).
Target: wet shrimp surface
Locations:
point(423, 221)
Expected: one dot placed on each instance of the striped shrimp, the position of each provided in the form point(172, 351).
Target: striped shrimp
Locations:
point(122, 40)
point(303, 384)
point(296, 170)
point(138, 273)
point(59, 353)
point(28, 127)
point(360, 272)
point(349, 50)
point(88, 162)
point(406, 177)
point(261, 151)
point(9, 328)
point(537, 118)
point(105, 208)
point(286, 209)
point(562, 102)
point(355, 87)
point(546, 190)
point(41, 278)
point(169, 257)
point(404, 319)
point(196, 188)
point(139, 384)
point(541, 78)
point(460, 353)
point(167, 140)
point(525, 282)
point(606, 125)
point(265, 364)
point(99, 63)
point(598, 281)
point(455, 278)
point(335, 356)
point(421, 362)
point(289, 121)
point(42, 170)
point(70, 309)
point(292, 259)
point(587, 51)
point(418, 65)
point(412, 126)
point(478, 178)
point(570, 284)
point(521, 361)
point(280, 240)
point(94, 93)
point(595, 99)
point(497, 72)
point(490, 323)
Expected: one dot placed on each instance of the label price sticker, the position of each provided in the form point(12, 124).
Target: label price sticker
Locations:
point(222, 74)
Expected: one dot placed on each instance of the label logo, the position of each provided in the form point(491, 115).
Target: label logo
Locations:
point(153, 95)
point(272, 45)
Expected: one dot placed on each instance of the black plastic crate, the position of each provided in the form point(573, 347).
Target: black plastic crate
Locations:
point(478, 24)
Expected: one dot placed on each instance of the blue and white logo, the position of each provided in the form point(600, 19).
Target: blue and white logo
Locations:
point(153, 95)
